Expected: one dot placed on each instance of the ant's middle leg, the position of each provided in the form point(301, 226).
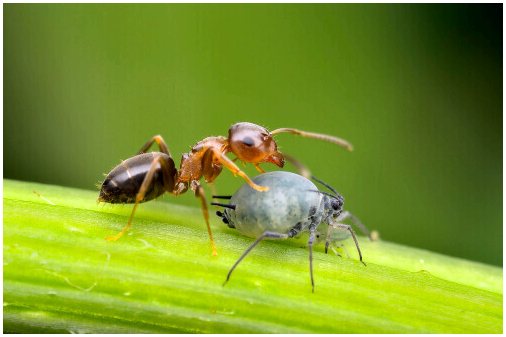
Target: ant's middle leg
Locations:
point(158, 140)
point(199, 193)
point(146, 183)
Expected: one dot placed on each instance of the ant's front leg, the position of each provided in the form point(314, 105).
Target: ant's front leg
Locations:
point(158, 140)
point(229, 164)
point(199, 193)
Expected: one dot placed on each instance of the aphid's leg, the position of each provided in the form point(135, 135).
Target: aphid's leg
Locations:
point(199, 193)
point(352, 232)
point(331, 139)
point(155, 139)
point(229, 164)
point(148, 179)
point(373, 236)
point(330, 244)
point(259, 169)
point(303, 170)
point(334, 247)
point(310, 245)
point(266, 234)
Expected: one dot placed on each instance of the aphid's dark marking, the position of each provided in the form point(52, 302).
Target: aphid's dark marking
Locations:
point(222, 196)
point(223, 205)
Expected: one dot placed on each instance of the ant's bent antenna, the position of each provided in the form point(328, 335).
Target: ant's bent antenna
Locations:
point(331, 139)
point(223, 205)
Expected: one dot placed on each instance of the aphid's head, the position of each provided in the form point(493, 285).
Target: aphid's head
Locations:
point(332, 202)
point(335, 206)
point(252, 143)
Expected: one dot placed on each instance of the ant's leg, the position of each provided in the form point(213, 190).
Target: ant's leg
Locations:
point(310, 245)
point(373, 236)
point(303, 170)
point(348, 228)
point(331, 139)
point(229, 164)
point(148, 179)
point(259, 169)
point(266, 234)
point(161, 144)
point(199, 193)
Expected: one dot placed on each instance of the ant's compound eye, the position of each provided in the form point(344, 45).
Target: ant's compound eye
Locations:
point(248, 141)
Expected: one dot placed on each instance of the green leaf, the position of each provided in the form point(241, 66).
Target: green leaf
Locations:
point(60, 275)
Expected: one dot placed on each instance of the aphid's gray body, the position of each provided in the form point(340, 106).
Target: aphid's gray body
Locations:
point(290, 202)
point(293, 204)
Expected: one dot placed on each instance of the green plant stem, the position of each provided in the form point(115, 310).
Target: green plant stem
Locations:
point(60, 275)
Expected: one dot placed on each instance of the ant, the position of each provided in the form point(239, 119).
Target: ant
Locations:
point(146, 176)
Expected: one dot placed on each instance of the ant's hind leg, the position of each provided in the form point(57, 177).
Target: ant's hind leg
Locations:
point(158, 140)
point(199, 193)
point(146, 183)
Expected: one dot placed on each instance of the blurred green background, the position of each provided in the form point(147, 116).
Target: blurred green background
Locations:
point(416, 88)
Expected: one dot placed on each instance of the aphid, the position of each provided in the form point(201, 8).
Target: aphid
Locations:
point(292, 205)
point(148, 175)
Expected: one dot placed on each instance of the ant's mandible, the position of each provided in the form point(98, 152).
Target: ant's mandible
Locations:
point(146, 176)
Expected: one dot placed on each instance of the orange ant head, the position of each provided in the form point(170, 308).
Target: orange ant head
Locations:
point(252, 143)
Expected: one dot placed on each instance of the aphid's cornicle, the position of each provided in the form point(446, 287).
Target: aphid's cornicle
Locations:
point(148, 175)
point(292, 205)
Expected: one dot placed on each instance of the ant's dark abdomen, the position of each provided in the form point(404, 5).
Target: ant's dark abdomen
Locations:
point(122, 184)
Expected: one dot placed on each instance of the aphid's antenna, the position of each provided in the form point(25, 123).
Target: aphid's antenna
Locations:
point(325, 184)
point(222, 197)
point(223, 205)
point(328, 194)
